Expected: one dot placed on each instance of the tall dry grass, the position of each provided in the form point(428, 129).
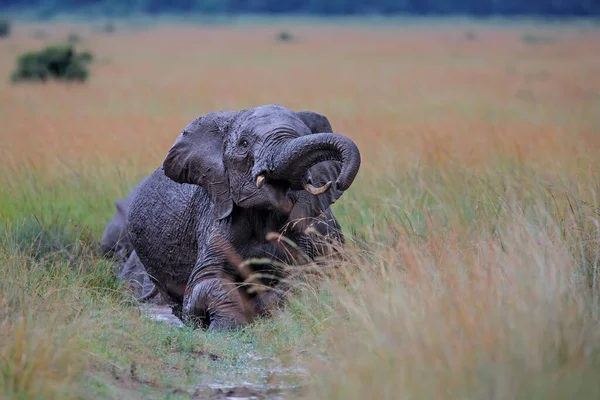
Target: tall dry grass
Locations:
point(503, 307)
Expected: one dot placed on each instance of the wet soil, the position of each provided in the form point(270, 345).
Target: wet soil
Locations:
point(161, 313)
point(252, 377)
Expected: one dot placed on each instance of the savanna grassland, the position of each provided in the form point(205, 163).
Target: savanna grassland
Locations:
point(471, 269)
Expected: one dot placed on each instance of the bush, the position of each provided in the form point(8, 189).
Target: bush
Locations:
point(73, 38)
point(60, 62)
point(285, 36)
point(109, 27)
point(85, 56)
point(532, 38)
point(40, 34)
point(4, 27)
point(470, 35)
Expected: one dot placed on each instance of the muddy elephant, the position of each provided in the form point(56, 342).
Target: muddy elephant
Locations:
point(229, 180)
point(132, 272)
point(116, 245)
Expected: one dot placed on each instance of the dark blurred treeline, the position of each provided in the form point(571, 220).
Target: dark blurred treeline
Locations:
point(552, 8)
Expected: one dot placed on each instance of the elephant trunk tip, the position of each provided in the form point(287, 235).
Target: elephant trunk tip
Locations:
point(351, 161)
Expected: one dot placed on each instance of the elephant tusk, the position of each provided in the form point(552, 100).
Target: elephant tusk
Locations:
point(260, 181)
point(313, 190)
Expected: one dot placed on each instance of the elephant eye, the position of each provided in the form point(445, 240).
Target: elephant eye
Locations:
point(243, 143)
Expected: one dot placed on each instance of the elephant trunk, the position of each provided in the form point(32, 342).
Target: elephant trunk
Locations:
point(294, 158)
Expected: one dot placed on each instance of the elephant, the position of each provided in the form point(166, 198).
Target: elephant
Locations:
point(139, 283)
point(115, 240)
point(116, 244)
point(230, 179)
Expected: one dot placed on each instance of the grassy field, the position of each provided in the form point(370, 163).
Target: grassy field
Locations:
point(473, 228)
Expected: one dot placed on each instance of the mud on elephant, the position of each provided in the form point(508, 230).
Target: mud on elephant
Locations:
point(230, 179)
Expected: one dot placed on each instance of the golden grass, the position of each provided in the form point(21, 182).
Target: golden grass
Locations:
point(428, 93)
point(473, 240)
point(462, 314)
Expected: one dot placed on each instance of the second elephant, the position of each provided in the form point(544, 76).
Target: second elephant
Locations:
point(116, 244)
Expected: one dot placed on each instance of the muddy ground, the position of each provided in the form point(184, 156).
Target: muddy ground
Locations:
point(253, 378)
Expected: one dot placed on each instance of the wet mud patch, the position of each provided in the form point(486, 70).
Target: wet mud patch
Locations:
point(243, 376)
point(252, 377)
point(161, 313)
point(242, 392)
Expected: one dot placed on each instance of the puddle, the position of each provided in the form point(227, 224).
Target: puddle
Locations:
point(251, 377)
point(161, 313)
point(239, 392)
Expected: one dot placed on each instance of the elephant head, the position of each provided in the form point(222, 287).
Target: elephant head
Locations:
point(268, 157)
point(115, 240)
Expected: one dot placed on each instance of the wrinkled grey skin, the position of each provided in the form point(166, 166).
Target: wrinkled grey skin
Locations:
point(115, 239)
point(134, 273)
point(116, 244)
point(203, 211)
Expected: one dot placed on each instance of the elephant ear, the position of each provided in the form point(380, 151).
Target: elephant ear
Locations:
point(317, 123)
point(196, 158)
point(121, 205)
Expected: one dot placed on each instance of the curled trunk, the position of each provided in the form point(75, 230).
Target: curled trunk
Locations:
point(296, 157)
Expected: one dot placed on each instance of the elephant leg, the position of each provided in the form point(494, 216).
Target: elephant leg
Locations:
point(147, 285)
point(147, 296)
point(268, 301)
point(148, 290)
point(133, 273)
point(212, 298)
point(214, 304)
